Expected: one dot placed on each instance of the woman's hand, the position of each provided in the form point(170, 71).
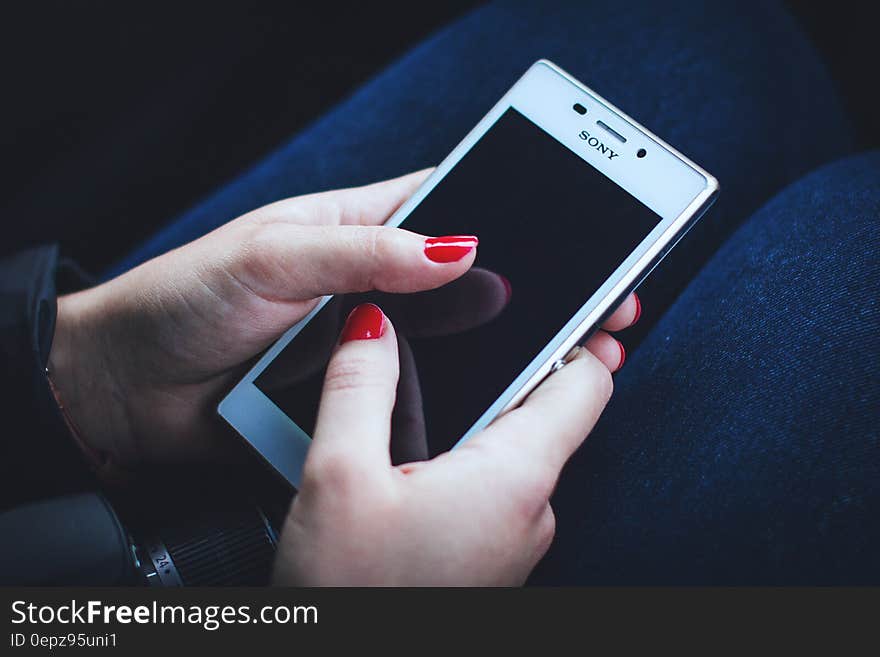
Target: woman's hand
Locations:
point(141, 362)
point(479, 515)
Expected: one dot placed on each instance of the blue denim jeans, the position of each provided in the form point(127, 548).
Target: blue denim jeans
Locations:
point(741, 445)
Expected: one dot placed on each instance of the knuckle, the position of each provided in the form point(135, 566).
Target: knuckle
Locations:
point(370, 240)
point(331, 208)
point(376, 241)
point(379, 244)
point(255, 255)
point(258, 238)
point(368, 243)
point(351, 373)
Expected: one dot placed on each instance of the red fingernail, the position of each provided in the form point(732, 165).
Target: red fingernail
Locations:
point(365, 322)
point(508, 288)
point(638, 308)
point(449, 248)
point(622, 355)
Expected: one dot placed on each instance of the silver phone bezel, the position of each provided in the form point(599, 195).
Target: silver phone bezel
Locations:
point(280, 442)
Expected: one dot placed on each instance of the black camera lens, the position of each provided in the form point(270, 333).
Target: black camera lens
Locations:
point(641, 152)
point(580, 109)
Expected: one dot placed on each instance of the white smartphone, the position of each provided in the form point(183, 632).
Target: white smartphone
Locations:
point(574, 204)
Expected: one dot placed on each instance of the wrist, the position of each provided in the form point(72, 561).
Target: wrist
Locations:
point(85, 382)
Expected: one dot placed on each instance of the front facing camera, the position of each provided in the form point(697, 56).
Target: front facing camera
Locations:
point(641, 152)
point(580, 109)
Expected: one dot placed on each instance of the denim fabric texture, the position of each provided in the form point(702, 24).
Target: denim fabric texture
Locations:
point(736, 88)
point(741, 443)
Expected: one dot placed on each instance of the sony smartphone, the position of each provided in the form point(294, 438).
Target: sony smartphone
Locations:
point(573, 202)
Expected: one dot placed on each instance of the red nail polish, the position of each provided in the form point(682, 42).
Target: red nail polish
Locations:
point(508, 288)
point(365, 322)
point(622, 355)
point(449, 248)
point(638, 308)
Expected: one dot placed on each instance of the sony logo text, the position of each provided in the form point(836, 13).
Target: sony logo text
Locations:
point(593, 142)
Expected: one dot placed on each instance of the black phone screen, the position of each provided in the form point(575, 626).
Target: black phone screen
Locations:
point(552, 229)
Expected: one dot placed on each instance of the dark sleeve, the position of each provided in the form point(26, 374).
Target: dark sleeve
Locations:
point(38, 456)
